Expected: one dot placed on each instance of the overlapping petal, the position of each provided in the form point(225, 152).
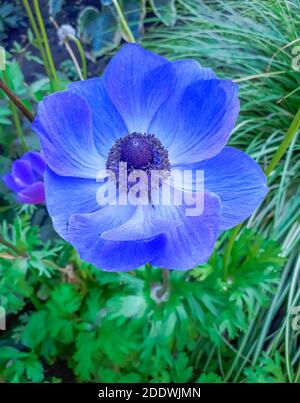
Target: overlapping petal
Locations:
point(64, 126)
point(26, 178)
point(138, 83)
point(36, 161)
point(209, 109)
point(165, 123)
point(144, 224)
point(108, 125)
point(191, 243)
point(68, 195)
point(22, 173)
point(32, 194)
point(107, 254)
point(10, 182)
point(238, 181)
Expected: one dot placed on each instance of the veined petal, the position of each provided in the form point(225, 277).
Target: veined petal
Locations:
point(191, 243)
point(144, 224)
point(206, 118)
point(66, 196)
point(85, 231)
point(237, 179)
point(108, 125)
point(165, 122)
point(138, 82)
point(64, 125)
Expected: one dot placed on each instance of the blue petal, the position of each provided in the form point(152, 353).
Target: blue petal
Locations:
point(237, 180)
point(107, 122)
point(144, 224)
point(205, 120)
point(66, 196)
point(125, 256)
point(193, 242)
point(85, 235)
point(36, 162)
point(10, 182)
point(138, 82)
point(165, 122)
point(22, 173)
point(33, 194)
point(64, 125)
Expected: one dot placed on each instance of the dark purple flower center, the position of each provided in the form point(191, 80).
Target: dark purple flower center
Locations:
point(139, 151)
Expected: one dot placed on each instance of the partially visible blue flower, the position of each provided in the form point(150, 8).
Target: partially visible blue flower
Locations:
point(145, 111)
point(27, 178)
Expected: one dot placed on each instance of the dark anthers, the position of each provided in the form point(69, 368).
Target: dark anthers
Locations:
point(140, 151)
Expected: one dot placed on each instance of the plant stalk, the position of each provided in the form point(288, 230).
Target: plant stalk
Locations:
point(82, 74)
point(165, 283)
point(124, 25)
point(39, 41)
point(16, 101)
point(290, 134)
point(46, 42)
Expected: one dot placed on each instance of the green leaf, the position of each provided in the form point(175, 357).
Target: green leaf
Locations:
point(35, 330)
point(129, 306)
point(209, 378)
point(135, 11)
point(165, 11)
point(34, 369)
point(181, 371)
point(11, 353)
point(55, 6)
point(65, 300)
point(87, 346)
point(99, 28)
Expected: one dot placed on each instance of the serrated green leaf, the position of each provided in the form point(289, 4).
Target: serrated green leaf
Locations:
point(35, 330)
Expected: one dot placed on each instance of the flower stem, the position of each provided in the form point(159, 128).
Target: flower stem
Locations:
point(46, 42)
point(39, 41)
point(16, 101)
point(165, 283)
point(124, 25)
point(16, 119)
point(82, 74)
point(10, 246)
point(228, 251)
point(18, 126)
point(82, 55)
point(290, 134)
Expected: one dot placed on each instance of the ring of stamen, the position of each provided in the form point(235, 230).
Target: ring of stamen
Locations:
point(139, 151)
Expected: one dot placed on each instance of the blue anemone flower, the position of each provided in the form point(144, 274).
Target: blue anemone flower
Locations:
point(147, 112)
point(27, 178)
